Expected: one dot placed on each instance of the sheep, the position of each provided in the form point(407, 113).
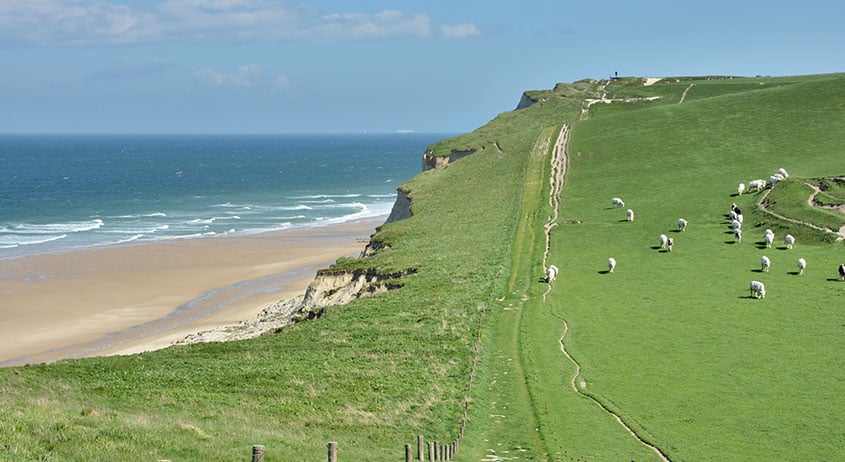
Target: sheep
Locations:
point(842, 272)
point(790, 241)
point(732, 215)
point(738, 235)
point(758, 289)
point(740, 189)
point(551, 273)
point(773, 180)
point(671, 243)
point(736, 224)
point(663, 241)
point(617, 202)
point(739, 217)
point(765, 263)
point(611, 264)
point(682, 224)
point(802, 265)
point(783, 173)
point(756, 185)
point(630, 215)
point(768, 239)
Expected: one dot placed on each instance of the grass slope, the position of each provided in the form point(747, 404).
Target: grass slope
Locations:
point(671, 342)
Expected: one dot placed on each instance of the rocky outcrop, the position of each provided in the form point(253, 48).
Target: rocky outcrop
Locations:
point(328, 288)
point(525, 101)
point(431, 162)
point(401, 207)
point(341, 287)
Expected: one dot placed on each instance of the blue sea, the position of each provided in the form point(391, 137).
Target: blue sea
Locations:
point(67, 192)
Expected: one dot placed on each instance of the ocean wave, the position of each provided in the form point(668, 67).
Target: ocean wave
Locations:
point(342, 205)
point(327, 196)
point(53, 228)
point(297, 207)
point(208, 221)
point(381, 196)
point(140, 215)
point(18, 242)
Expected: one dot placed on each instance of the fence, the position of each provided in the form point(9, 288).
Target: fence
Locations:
point(436, 452)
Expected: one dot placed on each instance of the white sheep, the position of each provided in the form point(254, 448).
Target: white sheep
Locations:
point(630, 215)
point(783, 173)
point(738, 235)
point(741, 188)
point(611, 264)
point(739, 217)
point(617, 202)
point(682, 224)
point(790, 241)
point(663, 241)
point(736, 224)
point(802, 265)
point(758, 290)
point(765, 263)
point(732, 215)
point(551, 273)
point(756, 185)
point(768, 239)
point(671, 244)
point(773, 180)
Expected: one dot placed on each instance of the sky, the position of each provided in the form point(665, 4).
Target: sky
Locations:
point(333, 66)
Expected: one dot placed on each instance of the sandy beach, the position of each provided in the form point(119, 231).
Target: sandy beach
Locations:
point(136, 298)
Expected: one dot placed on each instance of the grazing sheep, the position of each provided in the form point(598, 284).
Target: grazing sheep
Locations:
point(735, 208)
point(630, 215)
point(758, 290)
point(739, 217)
point(611, 264)
point(765, 263)
point(802, 265)
point(736, 224)
point(783, 173)
point(732, 215)
point(671, 243)
point(842, 272)
point(663, 241)
point(738, 235)
point(790, 241)
point(740, 189)
point(756, 185)
point(773, 180)
point(551, 273)
point(769, 238)
point(617, 202)
point(682, 224)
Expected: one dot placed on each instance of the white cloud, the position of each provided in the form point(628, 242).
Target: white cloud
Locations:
point(247, 75)
point(459, 30)
point(107, 22)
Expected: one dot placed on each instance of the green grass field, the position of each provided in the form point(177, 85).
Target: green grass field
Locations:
point(670, 342)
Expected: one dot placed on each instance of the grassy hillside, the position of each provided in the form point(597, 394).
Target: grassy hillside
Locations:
point(670, 342)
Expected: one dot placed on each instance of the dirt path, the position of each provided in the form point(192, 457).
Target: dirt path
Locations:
point(840, 233)
point(557, 176)
point(684, 94)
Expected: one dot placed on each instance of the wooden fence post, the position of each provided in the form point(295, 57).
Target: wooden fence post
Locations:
point(258, 453)
point(431, 451)
point(408, 454)
point(420, 448)
point(332, 451)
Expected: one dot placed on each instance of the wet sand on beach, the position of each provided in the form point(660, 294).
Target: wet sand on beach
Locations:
point(143, 297)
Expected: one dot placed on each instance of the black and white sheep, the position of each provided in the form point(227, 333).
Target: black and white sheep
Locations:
point(842, 272)
point(551, 273)
point(670, 244)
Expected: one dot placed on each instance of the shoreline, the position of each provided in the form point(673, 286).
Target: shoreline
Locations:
point(142, 297)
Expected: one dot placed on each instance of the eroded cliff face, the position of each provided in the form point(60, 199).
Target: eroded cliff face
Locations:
point(341, 287)
point(431, 162)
